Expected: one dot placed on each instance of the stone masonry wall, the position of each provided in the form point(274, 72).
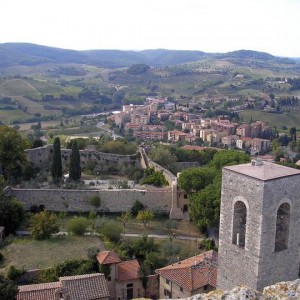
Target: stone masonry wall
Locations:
point(176, 212)
point(41, 157)
point(79, 200)
point(258, 265)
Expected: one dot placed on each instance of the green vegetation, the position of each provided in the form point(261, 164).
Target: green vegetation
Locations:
point(288, 119)
point(111, 230)
point(203, 186)
point(155, 178)
point(56, 166)
point(78, 226)
point(8, 289)
point(137, 69)
point(42, 225)
point(11, 211)
point(75, 169)
point(12, 155)
point(145, 216)
point(70, 267)
point(136, 207)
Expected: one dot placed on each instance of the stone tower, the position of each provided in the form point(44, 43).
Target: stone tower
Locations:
point(259, 225)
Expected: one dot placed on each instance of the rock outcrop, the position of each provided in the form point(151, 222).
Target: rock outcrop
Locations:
point(279, 291)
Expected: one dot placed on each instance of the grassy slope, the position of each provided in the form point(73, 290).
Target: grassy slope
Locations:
point(278, 120)
point(31, 254)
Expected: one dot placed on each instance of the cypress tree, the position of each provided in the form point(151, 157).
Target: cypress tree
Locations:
point(74, 169)
point(56, 166)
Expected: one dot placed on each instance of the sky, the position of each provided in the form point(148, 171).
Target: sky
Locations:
point(271, 26)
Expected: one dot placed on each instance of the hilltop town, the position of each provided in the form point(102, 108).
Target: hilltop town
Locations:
point(149, 181)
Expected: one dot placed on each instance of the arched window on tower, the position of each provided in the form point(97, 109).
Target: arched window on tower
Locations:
point(239, 224)
point(282, 227)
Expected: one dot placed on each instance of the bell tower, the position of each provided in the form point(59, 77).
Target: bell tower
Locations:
point(259, 225)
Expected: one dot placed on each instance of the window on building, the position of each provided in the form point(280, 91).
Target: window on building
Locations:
point(282, 227)
point(239, 224)
point(167, 281)
point(181, 289)
point(167, 293)
point(109, 278)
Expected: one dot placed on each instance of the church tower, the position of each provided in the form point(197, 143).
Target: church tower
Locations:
point(259, 225)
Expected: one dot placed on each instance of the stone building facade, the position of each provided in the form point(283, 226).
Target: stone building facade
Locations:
point(259, 225)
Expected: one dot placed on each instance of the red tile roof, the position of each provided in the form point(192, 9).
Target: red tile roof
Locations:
point(88, 287)
point(194, 272)
point(108, 257)
point(128, 270)
point(44, 291)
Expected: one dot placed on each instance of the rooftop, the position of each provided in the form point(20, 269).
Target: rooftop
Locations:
point(108, 257)
point(88, 287)
point(194, 272)
point(263, 170)
point(128, 270)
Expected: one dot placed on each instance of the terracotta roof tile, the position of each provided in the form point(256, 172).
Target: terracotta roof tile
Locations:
point(108, 257)
point(44, 291)
point(194, 272)
point(88, 287)
point(128, 270)
point(80, 287)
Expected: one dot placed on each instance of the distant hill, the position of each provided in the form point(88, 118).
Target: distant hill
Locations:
point(14, 54)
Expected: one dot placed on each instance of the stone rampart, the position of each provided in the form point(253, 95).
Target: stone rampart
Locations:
point(159, 200)
point(41, 157)
point(175, 212)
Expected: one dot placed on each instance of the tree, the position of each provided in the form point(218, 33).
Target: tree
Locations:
point(8, 289)
point(162, 156)
point(145, 216)
point(195, 179)
point(111, 231)
point(12, 155)
point(136, 207)
point(56, 166)
point(43, 224)
point(75, 169)
point(11, 211)
point(95, 201)
point(125, 217)
point(205, 206)
point(155, 178)
point(78, 226)
point(293, 133)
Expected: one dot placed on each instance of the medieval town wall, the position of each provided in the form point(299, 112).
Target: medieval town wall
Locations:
point(114, 201)
point(41, 157)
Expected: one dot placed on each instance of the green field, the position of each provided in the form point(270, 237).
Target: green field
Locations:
point(291, 119)
point(31, 254)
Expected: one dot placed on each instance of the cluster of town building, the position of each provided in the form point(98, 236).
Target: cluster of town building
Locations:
point(197, 274)
point(258, 246)
point(254, 137)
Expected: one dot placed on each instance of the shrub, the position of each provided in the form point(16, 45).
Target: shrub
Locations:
point(112, 231)
point(42, 225)
point(14, 273)
point(136, 207)
point(78, 226)
point(95, 201)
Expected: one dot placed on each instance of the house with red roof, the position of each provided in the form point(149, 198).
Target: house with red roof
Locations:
point(192, 276)
point(79, 287)
point(124, 280)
